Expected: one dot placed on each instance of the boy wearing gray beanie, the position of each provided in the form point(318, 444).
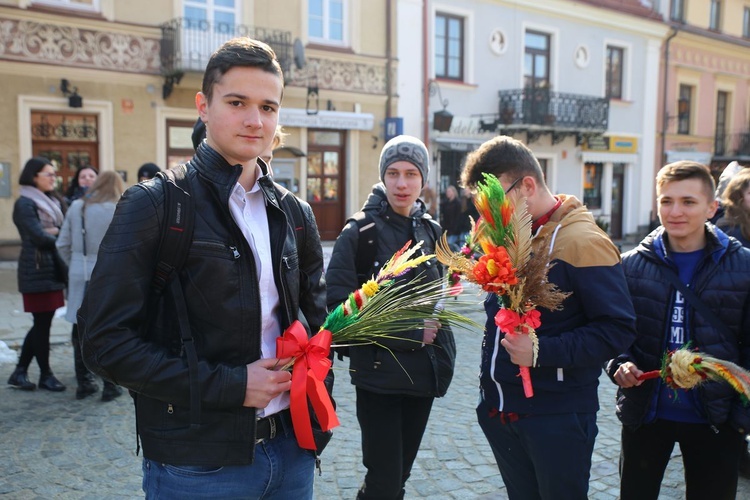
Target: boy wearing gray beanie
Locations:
point(405, 148)
point(396, 382)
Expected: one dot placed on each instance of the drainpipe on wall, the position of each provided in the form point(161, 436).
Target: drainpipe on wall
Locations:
point(425, 77)
point(388, 58)
point(665, 112)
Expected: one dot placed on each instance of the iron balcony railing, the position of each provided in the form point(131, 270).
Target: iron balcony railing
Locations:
point(187, 44)
point(545, 109)
point(732, 145)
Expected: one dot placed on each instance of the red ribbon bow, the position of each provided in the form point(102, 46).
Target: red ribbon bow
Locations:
point(311, 365)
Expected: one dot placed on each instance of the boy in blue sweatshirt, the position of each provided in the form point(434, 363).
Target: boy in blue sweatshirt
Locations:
point(708, 421)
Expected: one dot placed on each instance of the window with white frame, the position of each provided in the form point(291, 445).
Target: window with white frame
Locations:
point(746, 23)
point(88, 5)
point(615, 71)
point(326, 21)
point(449, 46)
point(715, 15)
point(207, 25)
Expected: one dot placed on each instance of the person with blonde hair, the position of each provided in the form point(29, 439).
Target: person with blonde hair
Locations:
point(78, 243)
point(736, 202)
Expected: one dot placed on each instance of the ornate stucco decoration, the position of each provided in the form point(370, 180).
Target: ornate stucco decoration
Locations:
point(341, 75)
point(56, 44)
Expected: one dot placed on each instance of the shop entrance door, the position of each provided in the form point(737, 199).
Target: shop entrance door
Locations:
point(326, 169)
point(68, 140)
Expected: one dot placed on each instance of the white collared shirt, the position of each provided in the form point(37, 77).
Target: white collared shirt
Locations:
point(249, 212)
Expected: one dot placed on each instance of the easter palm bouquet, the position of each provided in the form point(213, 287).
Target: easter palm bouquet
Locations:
point(503, 257)
point(378, 310)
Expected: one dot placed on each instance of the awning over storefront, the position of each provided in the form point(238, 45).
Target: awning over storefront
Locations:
point(340, 120)
point(697, 156)
point(596, 157)
point(458, 143)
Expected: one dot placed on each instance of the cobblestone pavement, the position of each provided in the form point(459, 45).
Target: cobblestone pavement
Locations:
point(56, 447)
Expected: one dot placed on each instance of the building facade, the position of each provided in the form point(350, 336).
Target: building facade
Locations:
point(705, 83)
point(113, 84)
point(574, 80)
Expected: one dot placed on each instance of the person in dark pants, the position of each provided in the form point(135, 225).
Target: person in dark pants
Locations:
point(81, 234)
point(38, 215)
point(543, 444)
point(396, 382)
point(450, 218)
point(708, 421)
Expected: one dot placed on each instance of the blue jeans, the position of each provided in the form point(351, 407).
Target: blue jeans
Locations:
point(542, 456)
point(281, 470)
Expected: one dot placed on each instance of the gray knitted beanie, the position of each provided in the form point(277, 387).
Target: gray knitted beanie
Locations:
point(406, 148)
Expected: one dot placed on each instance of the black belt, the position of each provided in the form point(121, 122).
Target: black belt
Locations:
point(273, 425)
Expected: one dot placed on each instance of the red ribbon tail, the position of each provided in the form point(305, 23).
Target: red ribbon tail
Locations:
point(322, 404)
point(528, 390)
point(298, 406)
point(649, 375)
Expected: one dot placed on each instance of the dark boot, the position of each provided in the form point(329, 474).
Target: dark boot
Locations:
point(110, 391)
point(86, 386)
point(49, 381)
point(20, 379)
point(86, 381)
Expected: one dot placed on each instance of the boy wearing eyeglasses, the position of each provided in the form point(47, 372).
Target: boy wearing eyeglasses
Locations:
point(543, 444)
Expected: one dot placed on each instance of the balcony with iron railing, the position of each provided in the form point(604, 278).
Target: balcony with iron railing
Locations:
point(187, 44)
point(732, 146)
point(539, 111)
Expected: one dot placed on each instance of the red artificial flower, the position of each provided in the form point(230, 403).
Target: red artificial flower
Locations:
point(494, 270)
point(533, 318)
point(507, 320)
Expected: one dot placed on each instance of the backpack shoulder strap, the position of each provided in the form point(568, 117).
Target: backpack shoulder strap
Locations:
point(367, 244)
point(291, 206)
point(434, 228)
point(174, 246)
point(177, 228)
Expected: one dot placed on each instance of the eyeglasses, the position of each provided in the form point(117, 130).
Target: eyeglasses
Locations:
point(47, 174)
point(513, 185)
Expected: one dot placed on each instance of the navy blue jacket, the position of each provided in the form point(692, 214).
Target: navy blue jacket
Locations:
point(722, 281)
point(595, 323)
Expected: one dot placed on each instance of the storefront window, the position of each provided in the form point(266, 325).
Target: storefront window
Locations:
point(592, 185)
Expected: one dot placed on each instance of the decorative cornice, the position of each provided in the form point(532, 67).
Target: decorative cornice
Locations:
point(84, 48)
point(346, 76)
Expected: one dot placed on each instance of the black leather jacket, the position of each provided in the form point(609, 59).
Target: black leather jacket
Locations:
point(139, 350)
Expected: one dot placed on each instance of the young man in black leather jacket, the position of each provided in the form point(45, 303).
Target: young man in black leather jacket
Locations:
point(243, 282)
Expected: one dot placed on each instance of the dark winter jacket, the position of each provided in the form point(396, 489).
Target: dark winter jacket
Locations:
point(595, 323)
point(450, 216)
point(722, 281)
point(123, 342)
point(39, 267)
point(409, 367)
point(732, 229)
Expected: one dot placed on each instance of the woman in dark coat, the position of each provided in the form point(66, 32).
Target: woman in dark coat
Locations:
point(38, 215)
